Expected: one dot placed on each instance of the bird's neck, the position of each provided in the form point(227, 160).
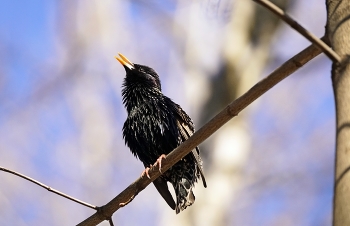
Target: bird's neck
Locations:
point(136, 96)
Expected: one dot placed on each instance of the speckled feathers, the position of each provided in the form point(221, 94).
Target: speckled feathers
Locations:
point(156, 125)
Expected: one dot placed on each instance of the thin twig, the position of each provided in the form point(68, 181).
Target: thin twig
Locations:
point(203, 133)
point(110, 220)
point(311, 37)
point(49, 188)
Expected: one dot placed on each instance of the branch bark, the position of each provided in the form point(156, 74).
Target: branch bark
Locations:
point(293, 64)
point(338, 29)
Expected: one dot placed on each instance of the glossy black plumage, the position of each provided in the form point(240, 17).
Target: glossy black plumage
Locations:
point(156, 125)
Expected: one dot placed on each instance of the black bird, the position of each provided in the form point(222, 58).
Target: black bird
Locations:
point(154, 127)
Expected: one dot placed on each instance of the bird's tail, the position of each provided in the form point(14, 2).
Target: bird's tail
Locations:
point(184, 195)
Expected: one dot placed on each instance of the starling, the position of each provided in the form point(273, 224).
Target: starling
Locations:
point(154, 127)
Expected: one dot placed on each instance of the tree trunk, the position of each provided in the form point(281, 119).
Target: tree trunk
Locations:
point(338, 28)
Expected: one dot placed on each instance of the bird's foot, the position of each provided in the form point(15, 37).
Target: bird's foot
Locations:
point(159, 161)
point(146, 172)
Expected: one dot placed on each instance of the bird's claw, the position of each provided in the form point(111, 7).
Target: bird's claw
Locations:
point(146, 172)
point(159, 161)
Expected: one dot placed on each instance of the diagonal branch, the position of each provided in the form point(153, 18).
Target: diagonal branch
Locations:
point(311, 37)
point(49, 188)
point(105, 212)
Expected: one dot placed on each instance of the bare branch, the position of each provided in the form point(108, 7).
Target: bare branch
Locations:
point(126, 196)
point(49, 188)
point(311, 37)
point(110, 220)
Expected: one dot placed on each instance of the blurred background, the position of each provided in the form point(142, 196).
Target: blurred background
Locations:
point(61, 112)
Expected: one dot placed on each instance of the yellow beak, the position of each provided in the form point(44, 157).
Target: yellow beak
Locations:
point(124, 61)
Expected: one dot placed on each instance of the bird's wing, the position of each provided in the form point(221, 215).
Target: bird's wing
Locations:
point(186, 128)
point(163, 189)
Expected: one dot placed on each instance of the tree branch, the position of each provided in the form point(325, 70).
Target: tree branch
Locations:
point(308, 35)
point(49, 188)
point(126, 196)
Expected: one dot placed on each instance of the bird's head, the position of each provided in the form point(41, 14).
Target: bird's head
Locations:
point(139, 74)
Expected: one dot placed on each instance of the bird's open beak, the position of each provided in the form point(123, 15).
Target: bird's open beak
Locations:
point(124, 61)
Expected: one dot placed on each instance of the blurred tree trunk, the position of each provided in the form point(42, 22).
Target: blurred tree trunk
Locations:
point(338, 28)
